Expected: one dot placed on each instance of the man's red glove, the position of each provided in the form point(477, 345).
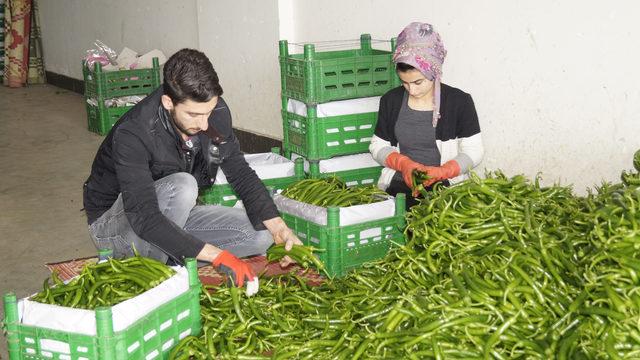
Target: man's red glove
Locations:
point(234, 267)
point(405, 165)
point(438, 173)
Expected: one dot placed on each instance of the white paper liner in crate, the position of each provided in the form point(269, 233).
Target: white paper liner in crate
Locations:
point(337, 108)
point(266, 165)
point(351, 215)
point(342, 163)
point(83, 321)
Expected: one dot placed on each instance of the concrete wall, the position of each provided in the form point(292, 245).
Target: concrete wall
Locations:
point(70, 27)
point(241, 39)
point(555, 83)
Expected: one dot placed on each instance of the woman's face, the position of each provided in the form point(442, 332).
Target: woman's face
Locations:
point(416, 84)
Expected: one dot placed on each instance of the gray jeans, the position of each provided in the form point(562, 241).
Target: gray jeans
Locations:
point(224, 227)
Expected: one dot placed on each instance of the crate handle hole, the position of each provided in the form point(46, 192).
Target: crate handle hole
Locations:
point(346, 72)
point(348, 85)
point(364, 83)
point(55, 346)
point(363, 71)
point(381, 82)
point(330, 87)
point(380, 69)
point(331, 73)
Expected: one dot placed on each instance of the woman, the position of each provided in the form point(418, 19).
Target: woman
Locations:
point(423, 124)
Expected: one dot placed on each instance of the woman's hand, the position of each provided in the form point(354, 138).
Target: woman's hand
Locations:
point(438, 173)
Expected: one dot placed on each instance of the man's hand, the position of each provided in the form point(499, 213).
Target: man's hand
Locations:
point(234, 267)
point(282, 234)
point(227, 263)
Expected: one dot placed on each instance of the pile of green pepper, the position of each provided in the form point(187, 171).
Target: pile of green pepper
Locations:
point(494, 268)
point(417, 182)
point(105, 284)
point(632, 178)
point(302, 255)
point(331, 191)
point(609, 268)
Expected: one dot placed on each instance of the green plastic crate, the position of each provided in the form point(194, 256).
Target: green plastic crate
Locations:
point(348, 247)
point(223, 194)
point(151, 337)
point(317, 77)
point(101, 119)
point(102, 85)
point(111, 84)
point(355, 177)
point(322, 138)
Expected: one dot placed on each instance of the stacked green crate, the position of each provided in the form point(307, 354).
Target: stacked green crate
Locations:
point(354, 170)
point(320, 77)
point(314, 136)
point(100, 86)
point(152, 336)
point(316, 78)
point(312, 82)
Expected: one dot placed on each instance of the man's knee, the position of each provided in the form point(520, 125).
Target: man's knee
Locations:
point(263, 241)
point(180, 188)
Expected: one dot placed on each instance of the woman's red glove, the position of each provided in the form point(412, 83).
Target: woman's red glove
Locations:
point(438, 173)
point(234, 267)
point(405, 165)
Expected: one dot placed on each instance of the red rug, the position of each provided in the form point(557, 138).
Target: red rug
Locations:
point(208, 276)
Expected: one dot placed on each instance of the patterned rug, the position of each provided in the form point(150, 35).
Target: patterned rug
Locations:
point(1, 38)
point(17, 31)
point(208, 276)
point(35, 73)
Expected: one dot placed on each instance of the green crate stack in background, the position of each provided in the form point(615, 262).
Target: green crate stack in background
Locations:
point(316, 78)
point(102, 85)
point(315, 137)
point(323, 125)
point(150, 337)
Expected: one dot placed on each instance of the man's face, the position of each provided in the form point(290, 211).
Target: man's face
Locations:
point(190, 117)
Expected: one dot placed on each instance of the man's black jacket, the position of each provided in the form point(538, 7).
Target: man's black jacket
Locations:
point(142, 147)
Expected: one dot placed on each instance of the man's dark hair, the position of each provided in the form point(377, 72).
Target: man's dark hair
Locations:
point(189, 75)
point(403, 67)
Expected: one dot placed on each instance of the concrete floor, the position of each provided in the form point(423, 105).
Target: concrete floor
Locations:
point(45, 156)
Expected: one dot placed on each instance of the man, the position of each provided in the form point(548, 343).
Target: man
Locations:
point(145, 177)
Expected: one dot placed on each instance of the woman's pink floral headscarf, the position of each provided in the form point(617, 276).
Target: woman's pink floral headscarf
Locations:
point(420, 46)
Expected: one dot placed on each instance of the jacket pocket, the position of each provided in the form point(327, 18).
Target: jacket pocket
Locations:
point(160, 169)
